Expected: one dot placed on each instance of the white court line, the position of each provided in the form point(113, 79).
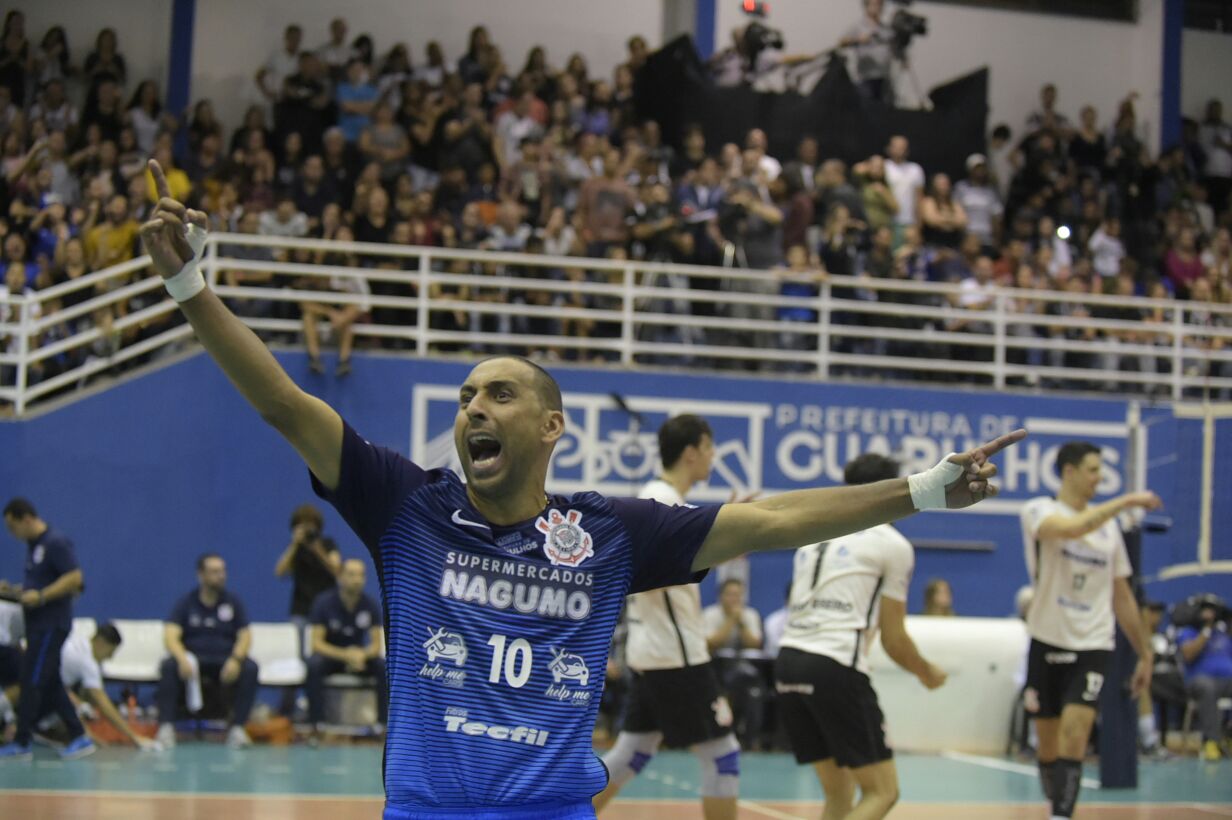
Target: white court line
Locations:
point(1007, 766)
point(766, 811)
point(1209, 809)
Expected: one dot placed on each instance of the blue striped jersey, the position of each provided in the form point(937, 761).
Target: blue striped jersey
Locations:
point(497, 636)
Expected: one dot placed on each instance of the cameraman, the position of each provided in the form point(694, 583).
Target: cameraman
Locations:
point(1206, 650)
point(870, 40)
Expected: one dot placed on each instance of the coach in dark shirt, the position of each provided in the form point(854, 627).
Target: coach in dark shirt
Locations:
point(347, 636)
point(211, 624)
point(52, 579)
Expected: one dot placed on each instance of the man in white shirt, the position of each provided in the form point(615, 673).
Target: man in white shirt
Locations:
point(1078, 564)
point(675, 695)
point(1106, 248)
point(841, 592)
point(906, 181)
point(280, 65)
point(80, 671)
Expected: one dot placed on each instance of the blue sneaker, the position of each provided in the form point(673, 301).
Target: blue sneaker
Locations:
point(79, 746)
point(16, 751)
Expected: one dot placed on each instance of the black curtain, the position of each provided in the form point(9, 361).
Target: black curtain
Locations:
point(674, 88)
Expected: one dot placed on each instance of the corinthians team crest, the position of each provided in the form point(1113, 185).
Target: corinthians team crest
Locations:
point(565, 543)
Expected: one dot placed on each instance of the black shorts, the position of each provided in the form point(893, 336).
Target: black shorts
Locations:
point(829, 710)
point(685, 704)
point(1057, 678)
point(10, 665)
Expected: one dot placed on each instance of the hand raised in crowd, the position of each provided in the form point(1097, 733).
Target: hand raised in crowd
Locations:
point(165, 234)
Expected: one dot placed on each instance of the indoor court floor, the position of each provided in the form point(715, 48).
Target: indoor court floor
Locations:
point(211, 782)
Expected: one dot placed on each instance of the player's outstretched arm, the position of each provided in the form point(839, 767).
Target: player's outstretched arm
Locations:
point(804, 517)
point(1060, 526)
point(309, 424)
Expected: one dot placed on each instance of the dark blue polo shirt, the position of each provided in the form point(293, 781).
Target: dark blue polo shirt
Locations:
point(345, 627)
point(50, 556)
point(209, 631)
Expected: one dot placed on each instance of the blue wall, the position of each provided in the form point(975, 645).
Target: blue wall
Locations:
point(147, 475)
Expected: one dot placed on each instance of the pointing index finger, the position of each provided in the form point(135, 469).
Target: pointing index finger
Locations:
point(998, 444)
point(160, 180)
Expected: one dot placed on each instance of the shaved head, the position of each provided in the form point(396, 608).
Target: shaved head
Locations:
point(545, 385)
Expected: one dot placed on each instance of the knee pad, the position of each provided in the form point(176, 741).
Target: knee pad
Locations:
point(630, 754)
point(720, 759)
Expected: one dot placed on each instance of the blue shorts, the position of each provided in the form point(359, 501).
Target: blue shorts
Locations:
point(541, 811)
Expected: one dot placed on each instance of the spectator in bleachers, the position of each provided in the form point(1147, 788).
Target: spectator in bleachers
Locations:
point(335, 52)
point(15, 58)
point(348, 636)
point(905, 180)
point(980, 202)
point(385, 142)
point(1106, 248)
point(105, 61)
point(943, 218)
point(283, 63)
point(938, 598)
point(1206, 650)
point(1047, 117)
point(1182, 265)
point(340, 316)
point(285, 220)
point(208, 638)
point(1217, 142)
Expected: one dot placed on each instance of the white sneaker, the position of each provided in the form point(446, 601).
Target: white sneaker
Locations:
point(237, 738)
point(166, 736)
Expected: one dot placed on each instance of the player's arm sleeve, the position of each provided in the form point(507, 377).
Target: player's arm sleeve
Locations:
point(372, 482)
point(664, 541)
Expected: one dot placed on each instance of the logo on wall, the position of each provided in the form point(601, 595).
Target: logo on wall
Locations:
point(802, 438)
point(565, 543)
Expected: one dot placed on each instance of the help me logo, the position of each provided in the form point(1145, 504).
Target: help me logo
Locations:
point(565, 543)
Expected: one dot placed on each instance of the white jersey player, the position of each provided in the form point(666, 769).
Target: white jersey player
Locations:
point(1078, 564)
point(842, 592)
point(675, 697)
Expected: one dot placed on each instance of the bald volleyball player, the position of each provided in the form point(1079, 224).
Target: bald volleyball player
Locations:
point(501, 599)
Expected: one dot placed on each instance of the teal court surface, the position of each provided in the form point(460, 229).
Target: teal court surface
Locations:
point(208, 781)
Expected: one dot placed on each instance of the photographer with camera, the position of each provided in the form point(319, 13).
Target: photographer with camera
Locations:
point(313, 563)
point(1206, 650)
point(870, 41)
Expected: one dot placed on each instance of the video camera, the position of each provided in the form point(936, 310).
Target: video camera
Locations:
point(1189, 611)
point(905, 27)
point(757, 35)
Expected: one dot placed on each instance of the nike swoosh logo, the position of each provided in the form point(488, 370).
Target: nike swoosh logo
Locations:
point(458, 519)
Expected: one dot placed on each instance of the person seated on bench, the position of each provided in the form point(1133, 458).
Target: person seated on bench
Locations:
point(208, 639)
point(347, 636)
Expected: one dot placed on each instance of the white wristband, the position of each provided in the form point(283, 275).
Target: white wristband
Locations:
point(928, 488)
point(189, 282)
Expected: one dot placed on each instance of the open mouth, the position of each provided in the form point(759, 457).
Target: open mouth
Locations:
point(484, 451)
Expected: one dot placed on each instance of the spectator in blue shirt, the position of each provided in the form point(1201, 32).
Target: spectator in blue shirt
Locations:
point(347, 636)
point(357, 99)
point(208, 639)
point(53, 577)
point(1207, 651)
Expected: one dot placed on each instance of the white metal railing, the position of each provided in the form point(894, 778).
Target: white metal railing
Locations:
point(442, 302)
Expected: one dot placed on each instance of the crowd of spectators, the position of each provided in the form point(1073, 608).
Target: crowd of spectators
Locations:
point(355, 141)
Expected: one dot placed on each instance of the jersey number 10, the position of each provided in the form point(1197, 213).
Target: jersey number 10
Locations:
point(516, 663)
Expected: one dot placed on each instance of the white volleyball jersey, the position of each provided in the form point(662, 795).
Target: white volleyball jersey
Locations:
point(665, 625)
point(1073, 578)
point(836, 590)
